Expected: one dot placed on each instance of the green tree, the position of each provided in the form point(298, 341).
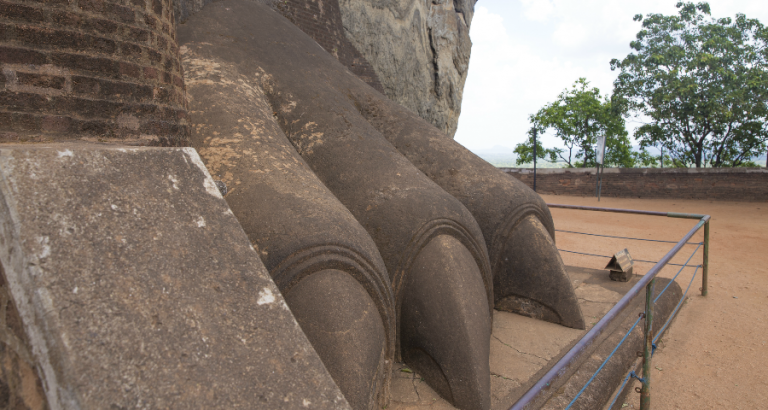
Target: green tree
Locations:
point(524, 151)
point(646, 160)
point(702, 82)
point(579, 117)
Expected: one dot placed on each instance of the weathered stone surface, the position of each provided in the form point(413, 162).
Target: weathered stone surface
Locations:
point(531, 277)
point(321, 20)
point(137, 287)
point(498, 203)
point(298, 227)
point(20, 386)
point(401, 209)
point(454, 358)
point(419, 49)
point(341, 320)
point(415, 52)
point(184, 9)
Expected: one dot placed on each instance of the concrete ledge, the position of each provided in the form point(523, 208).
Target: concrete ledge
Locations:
point(137, 287)
point(599, 393)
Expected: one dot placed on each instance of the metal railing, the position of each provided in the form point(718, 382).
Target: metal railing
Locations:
point(647, 281)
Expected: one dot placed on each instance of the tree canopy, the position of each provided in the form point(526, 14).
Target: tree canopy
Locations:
point(579, 116)
point(702, 82)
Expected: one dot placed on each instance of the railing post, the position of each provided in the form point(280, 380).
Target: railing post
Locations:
point(645, 392)
point(705, 263)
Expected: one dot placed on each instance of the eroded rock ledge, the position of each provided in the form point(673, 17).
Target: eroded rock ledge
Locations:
point(419, 50)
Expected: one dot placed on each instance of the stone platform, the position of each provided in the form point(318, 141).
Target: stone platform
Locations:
point(127, 282)
point(524, 349)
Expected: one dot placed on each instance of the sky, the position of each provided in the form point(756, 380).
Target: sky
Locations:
point(526, 52)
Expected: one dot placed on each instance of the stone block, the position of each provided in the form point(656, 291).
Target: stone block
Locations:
point(620, 276)
point(137, 287)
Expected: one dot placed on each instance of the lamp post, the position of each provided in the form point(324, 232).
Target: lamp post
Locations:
point(535, 131)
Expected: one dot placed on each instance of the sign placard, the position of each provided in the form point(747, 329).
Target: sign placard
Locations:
point(600, 149)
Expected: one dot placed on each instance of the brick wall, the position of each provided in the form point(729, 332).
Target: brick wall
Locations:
point(321, 20)
point(733, 184)
point(91, 69)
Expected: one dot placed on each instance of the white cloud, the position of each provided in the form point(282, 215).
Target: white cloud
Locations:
point(488, 29)
point(570, 34)
point(537, 10)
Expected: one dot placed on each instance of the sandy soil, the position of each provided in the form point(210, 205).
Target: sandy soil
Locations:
point(715, 356)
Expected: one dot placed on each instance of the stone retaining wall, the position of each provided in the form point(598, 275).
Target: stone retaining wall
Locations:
point(733, 184)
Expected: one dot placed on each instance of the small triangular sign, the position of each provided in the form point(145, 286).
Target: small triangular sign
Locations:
point(620, 262)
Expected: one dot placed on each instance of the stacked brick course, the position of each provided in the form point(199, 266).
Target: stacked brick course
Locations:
point(321, 20)
point(729, 184)
point(100, 70)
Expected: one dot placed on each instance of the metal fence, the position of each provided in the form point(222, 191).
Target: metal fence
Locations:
point(647, 281)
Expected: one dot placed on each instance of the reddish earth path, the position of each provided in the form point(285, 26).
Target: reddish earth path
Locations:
point(716, 354)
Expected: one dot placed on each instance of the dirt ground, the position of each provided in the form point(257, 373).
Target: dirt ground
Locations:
point(715, 356)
